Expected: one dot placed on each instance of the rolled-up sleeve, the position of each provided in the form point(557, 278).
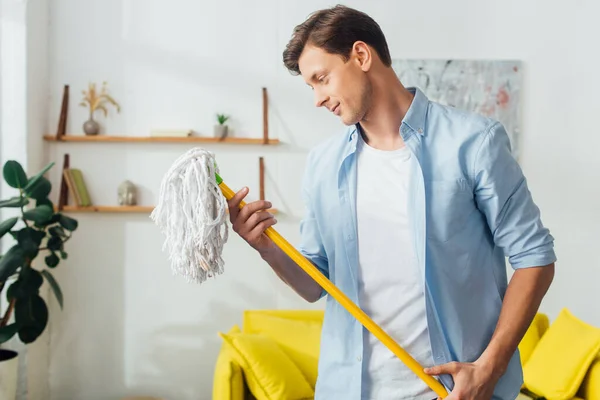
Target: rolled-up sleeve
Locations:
point(311, 244)
point(502, 194)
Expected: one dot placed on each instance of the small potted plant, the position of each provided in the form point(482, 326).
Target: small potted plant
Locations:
point(221, 129)
point(38, 232)
point(96, 101)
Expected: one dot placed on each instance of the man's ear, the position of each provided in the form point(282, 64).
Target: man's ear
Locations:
point(362, 54)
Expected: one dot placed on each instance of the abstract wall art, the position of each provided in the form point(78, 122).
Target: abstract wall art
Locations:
point(488, 87)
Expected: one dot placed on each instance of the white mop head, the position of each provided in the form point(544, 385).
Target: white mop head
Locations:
point(191, 213)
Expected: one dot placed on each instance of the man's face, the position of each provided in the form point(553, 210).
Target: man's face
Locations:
point(342, 87)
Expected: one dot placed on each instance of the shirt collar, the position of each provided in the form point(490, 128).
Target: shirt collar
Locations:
point(417, 112)
point(414, 119)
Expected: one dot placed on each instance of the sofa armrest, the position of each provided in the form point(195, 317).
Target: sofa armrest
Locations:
point(590, 388)
point(228, 379)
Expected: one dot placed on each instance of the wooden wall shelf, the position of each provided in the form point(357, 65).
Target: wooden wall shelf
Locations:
point(119, 209)
point(109, 209)
point(156, 139)
point(63, 198)
point(61, 135)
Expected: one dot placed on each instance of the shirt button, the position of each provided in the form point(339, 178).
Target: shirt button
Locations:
point(359, 358)
point(349, 237)
point(420, 130)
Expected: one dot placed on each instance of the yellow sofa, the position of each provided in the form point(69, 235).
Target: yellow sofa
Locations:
point(561, 361)
point(274, 355)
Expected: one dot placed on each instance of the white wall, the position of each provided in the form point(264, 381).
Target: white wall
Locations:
point(13, 118)
point(23, 111)
point(129, 326)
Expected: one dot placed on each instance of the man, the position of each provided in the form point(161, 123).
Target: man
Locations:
point(411, 213)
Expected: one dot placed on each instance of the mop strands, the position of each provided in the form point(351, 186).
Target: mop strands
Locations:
point(191, 213)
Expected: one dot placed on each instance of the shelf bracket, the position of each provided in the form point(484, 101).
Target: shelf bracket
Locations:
point(261, 172)
point(64, 109)
point(64, 190)
point(261, 176)
point(265, 116)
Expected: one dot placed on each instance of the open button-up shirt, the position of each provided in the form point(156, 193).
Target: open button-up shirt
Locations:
point(471, 210)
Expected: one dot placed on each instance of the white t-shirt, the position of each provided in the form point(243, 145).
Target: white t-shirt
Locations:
point(390, 291)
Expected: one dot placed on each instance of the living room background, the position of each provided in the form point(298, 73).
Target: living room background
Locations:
point(129, 325)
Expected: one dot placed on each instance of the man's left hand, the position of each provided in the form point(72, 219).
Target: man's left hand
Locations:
point(472, 381)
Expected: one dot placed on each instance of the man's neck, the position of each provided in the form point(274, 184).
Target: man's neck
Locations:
point(381, 126)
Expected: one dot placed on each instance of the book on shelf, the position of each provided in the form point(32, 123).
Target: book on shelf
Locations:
point(77, 188)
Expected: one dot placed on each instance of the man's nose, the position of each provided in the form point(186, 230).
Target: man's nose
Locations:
point(320, 99)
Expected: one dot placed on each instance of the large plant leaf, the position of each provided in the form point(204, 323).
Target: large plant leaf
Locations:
point(55, 287)
point(12, 260)
point(57, 231)
point(68, 223)
point(52, 260)
point(28, 284)
point(14, 174)
point(39, 215)
point(55, 243)
point(7, 332)
point(7, 225)
point(34, 180)
point(31, 281)
point(14, 202)
point(40, 190)
point(14, 290)
point(31, 314)
point(46, 201)
point(30, 239)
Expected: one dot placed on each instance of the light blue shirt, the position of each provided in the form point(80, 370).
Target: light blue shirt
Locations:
point(470, 208)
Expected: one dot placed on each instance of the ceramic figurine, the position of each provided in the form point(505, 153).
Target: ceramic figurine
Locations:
point(127, 194)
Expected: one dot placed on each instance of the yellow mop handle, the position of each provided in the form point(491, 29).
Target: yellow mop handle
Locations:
point(352, 308)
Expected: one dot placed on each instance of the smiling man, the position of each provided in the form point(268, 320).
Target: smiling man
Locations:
point(411, 212)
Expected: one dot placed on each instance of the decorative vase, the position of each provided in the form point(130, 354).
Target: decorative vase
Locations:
point(91, 127)
point(9, 363)
point(221, 131)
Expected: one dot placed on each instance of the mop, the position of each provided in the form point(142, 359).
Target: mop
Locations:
point(191, 213)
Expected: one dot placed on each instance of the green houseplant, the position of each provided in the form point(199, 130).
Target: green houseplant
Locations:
point(221, 128)
point(38, 231)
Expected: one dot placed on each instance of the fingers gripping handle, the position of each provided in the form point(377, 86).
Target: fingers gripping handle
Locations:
point(352, 308)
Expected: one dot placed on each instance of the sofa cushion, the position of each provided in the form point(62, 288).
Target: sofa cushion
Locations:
point(590, 389)
point(299, 338)
point(229, 380)
point(534, 333)
point(270, 374)
point(562, 357)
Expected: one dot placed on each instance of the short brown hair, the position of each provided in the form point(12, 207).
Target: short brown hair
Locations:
point(335, 30)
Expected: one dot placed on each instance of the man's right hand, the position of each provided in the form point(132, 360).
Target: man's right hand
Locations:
point(251, 221)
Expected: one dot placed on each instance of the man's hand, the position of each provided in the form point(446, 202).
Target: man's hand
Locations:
point(251, 221)
point(472, 381)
